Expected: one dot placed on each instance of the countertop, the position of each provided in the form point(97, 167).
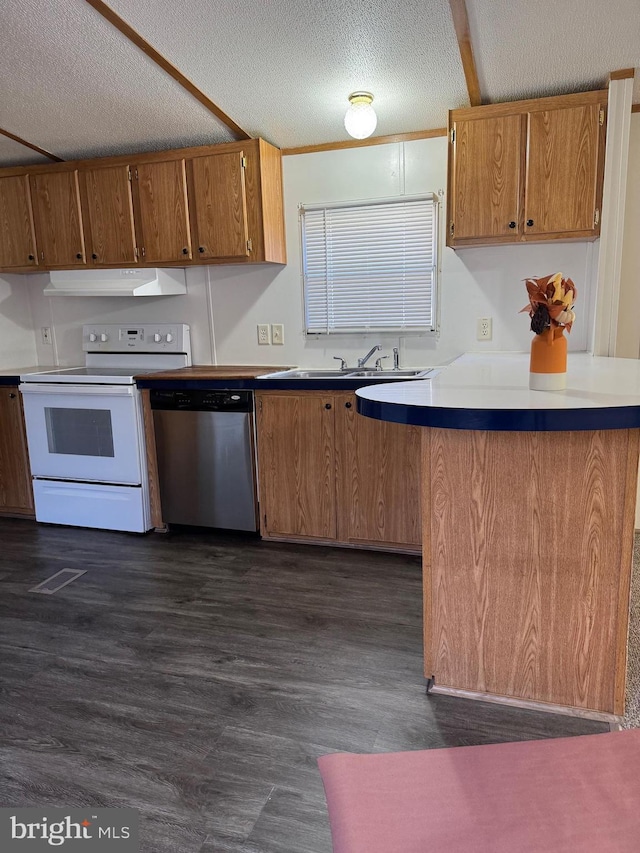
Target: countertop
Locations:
point(211, 371)
point(11, 375)
point(491, 392)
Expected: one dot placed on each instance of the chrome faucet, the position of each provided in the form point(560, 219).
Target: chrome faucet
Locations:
point(363, 361)
point(396, 359)
point(379, 361)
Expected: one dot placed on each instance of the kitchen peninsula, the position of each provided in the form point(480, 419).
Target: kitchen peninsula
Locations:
point(528, 524)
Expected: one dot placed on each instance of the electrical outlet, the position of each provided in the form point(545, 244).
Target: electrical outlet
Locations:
point(264, 334)
point(484, 329)
point(46, 335)
point(277, 333)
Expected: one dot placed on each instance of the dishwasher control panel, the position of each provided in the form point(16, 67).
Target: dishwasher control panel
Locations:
point(222, 400)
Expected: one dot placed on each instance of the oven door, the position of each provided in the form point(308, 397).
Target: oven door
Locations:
point(83, 432)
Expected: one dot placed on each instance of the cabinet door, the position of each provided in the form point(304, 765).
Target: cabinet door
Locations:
point(296, 464)
point(161, 209)
point(109, 210)
point(378, 467)
point(562, 170)
point(16, 494)
point(220, 206)
point(485, 183)
point(58, 220)
point(17, 237)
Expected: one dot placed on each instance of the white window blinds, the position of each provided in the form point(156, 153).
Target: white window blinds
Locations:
point(370, 266)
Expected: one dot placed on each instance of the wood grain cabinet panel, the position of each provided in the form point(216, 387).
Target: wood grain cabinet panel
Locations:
point(219, 205)
point(526, 171)
point(109, 208)
point(486, 183)
point(562, 167)
point(16, 495)
point(160, 203)
point(328, 474)
point(58, 218)
point(296, 452)
point(17, 235)
point(378, 466)
point(527, 563)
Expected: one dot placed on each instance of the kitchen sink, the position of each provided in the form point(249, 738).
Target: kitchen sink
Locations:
point(419, 373)
point(349, 373)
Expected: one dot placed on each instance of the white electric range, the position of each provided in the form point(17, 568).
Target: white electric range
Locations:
point(85, 428)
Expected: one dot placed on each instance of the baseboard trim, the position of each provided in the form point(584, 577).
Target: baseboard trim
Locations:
point(529, 704)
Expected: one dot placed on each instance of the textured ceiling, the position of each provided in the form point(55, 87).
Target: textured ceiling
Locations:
point(76, 87)
point(548, 47)
point(282, 69)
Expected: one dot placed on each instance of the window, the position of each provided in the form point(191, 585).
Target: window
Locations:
point(370, 266)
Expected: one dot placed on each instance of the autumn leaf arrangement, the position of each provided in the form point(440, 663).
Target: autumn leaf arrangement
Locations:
point(551, 301)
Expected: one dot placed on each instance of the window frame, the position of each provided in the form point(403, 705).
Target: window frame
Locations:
point(429, 331)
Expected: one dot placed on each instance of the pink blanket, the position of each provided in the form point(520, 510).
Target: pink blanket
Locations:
point(568, 795)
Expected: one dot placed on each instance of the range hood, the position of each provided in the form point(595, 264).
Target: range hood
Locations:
point(123, 282)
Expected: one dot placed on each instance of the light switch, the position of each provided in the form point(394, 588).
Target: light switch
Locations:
point(277, 333)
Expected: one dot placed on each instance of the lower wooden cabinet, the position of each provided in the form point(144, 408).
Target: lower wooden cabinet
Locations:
point(16, 494)
point(326, 474)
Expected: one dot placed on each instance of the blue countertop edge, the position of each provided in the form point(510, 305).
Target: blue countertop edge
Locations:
point(10, 380)
point(513, 420)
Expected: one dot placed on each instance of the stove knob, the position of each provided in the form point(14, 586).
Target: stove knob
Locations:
point(104, 337)
point(157, 338)
point(169, 338)
point(93, 337)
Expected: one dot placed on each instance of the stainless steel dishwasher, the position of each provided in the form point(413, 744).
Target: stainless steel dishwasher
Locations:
point(206, 459)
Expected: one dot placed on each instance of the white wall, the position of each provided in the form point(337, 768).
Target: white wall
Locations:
point(628, 341)
point(224, 304)
point(17, 340)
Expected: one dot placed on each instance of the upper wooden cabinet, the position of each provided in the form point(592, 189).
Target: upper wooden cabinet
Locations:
point(162, 209)
point(17, 236)
point(58, 218)
point(526, 171)
point(109, 207)
point(220, 205)
point(214, 204)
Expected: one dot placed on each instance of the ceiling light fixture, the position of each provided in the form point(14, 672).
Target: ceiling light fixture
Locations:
point(360, 119)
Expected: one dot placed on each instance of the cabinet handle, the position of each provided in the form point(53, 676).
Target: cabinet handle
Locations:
point(31, 258)
point(347, 405)
point(201, 248)
point(94, 256)
point(512, 224)
point(79, 256)
point(185, 251)
point(12, 396)
point(327, 405)
point(529, 222)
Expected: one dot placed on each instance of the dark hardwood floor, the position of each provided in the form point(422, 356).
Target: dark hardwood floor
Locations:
point(197, 677)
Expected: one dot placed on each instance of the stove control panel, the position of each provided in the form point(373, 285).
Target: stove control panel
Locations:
point(149, 338)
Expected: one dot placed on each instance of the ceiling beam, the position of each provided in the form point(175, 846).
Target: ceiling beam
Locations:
point(30, 145)
point(135, 37)
point(361, 143)
point(463, 34)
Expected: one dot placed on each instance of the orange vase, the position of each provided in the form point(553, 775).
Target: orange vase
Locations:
point(548, 366)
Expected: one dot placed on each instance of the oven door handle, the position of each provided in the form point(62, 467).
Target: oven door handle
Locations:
point(77, 390)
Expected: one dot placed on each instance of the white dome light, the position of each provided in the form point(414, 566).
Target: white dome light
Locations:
point(360, 119)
